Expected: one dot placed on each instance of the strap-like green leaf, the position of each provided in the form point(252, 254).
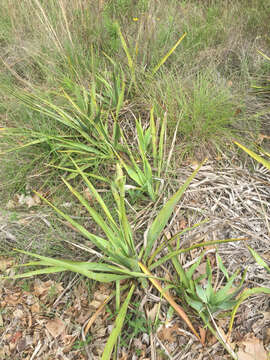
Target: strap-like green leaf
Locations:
point(163, 216)
point(119, 322)
point(68, 266)
point(254, 155)
point(162, 61)
point(245, 294)
point(258, 259)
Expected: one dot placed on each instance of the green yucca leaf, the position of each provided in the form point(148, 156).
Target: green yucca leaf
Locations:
point(120, 99)
point(180, 251)
point(153, 137)
point(201, 293)
point(34, 142)
point(74, 267)
point(172, 239)
point(96, 195)
point(115, 241)
point(245, 294)
point(258, 259)
point(193, 268)
point(222, 267)
point(161, 144)
point(162, 61)
point(223, 292)
point(120, 183)
point(141, 138)
point(83, 167)
point(129, 58)
point(254, 155)
point(195, 304)
point(101, 243)
point(163, 216)
point(134, 172)
point(119, 322)
point(48, 270)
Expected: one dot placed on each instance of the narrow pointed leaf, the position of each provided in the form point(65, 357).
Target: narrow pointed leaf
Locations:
point(167, 55)
point(258, 259)
point(255, 156)
point(245, 294)
point(163, 216)
point(119, 322)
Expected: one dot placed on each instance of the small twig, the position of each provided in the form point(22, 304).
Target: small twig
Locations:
point(36, 350)
point(70, 284)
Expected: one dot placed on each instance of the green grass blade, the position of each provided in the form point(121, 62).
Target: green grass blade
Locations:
point(119, 322)
point(163, 216)
point(264, 55)
point(162, 61)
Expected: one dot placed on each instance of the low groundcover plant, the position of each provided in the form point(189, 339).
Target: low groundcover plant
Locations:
point(120, 259)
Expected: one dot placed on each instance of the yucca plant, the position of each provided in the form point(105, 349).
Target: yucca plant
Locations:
point(205, 299)
point(83, 124)
point(120, 259)
point(145, 174)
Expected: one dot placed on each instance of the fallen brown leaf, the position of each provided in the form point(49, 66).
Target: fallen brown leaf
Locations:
point(169, 333)
point(252, 348)
point(35, 308)
point(55, 327)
